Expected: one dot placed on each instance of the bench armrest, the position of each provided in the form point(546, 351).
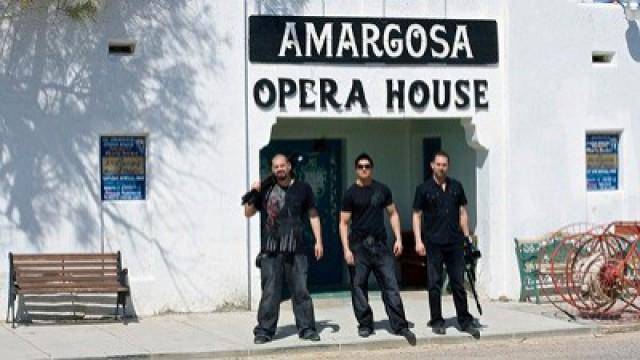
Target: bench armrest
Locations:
point(123, 277)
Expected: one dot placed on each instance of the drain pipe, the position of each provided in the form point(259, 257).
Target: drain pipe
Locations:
point(246, 150)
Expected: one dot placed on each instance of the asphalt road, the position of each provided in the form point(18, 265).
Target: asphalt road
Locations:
point(609, 346)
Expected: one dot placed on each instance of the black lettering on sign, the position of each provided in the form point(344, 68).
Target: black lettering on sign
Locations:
point(462, 94)
point(328, 89)
point(418, 90)
point(264, 85)
point(356, 95)
point(395, 93)
point(307, 85)
point(286, 88)
point(441, 91)
point(480, 89)
point(441, 97)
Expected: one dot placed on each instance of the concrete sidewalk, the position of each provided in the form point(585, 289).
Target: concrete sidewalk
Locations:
point(213, 335)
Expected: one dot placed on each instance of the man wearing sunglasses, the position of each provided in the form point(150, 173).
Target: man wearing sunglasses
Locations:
point(365, 248)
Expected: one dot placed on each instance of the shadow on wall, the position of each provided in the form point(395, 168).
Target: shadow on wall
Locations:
point(36, 309)
point(633, 40)
point(281, 7)
point(60, 91)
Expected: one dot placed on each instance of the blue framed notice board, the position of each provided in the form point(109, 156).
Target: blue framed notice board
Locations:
point(123, 167)
point(602, 161)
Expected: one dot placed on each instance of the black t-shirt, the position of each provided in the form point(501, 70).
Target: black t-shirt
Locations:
point(283, 211)
point(367, 205)
point(440, 210)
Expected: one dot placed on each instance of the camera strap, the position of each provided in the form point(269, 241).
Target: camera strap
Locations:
point(469, 269)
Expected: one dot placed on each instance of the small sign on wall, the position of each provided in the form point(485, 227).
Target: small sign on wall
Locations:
point(602, 161)
point(123, 167)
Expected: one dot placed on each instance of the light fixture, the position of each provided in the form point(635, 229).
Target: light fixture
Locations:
point(631, 9)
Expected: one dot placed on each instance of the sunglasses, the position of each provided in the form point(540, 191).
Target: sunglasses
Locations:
point(364, 166)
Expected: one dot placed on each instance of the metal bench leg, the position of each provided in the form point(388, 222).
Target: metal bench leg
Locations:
point(117, 306)
point(122, 299)
point(13, 314)
point(11, 286)
point(124, 307)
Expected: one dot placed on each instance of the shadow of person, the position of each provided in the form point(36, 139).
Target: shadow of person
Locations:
point(285, 331)
point(386, 325)
point(326, 324)
point(453, 323)
point(291, 329)
point(632, 36)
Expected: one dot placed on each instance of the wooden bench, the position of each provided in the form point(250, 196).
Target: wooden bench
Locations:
point(37, 274)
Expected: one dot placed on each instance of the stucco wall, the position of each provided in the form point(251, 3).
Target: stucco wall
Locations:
point(556, 95)
point(189, 89)
point(184, 89)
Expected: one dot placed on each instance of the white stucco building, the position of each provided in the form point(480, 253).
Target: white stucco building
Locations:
point(564, 77)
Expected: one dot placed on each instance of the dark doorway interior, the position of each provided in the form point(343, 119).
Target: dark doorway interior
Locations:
point(430, 146)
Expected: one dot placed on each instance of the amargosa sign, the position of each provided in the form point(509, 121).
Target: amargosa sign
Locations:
point(304, 39)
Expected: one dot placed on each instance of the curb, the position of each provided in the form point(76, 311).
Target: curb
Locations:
point(368, 345)
point(613, 329)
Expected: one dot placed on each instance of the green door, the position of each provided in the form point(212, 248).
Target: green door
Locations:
point(317, 162)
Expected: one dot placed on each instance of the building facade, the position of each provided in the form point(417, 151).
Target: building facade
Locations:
point(532, 99)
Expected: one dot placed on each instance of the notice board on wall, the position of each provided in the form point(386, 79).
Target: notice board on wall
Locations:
point(602, 161)
point(123, 167)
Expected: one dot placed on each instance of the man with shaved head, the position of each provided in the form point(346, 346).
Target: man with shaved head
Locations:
point(285, 206)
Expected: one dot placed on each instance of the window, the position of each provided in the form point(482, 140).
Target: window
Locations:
point(122, 47)
point(123, 167)
point(602, 57)
point(602, 161)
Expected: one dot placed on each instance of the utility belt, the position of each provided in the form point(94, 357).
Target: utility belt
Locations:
point(367, 239)
point(371, 246)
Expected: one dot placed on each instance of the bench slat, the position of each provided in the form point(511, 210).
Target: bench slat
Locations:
point(80, 267)
point(75, 263)
point(54, 290)
point(35, 279)
point(69, 272)
point(66, 285)
point(17, 258)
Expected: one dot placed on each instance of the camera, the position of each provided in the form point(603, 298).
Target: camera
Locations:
point(252, 196)
point(471, 252)
point(261, 255)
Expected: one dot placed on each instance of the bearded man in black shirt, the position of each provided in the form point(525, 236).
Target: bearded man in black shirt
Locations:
point(285, 204)
point(440, 217)
point(365, 248)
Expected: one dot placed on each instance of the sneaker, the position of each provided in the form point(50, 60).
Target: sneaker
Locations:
point(310, 334)
point(261, 339)
point(365, 332)
point(472, 330)
point(407, 334)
